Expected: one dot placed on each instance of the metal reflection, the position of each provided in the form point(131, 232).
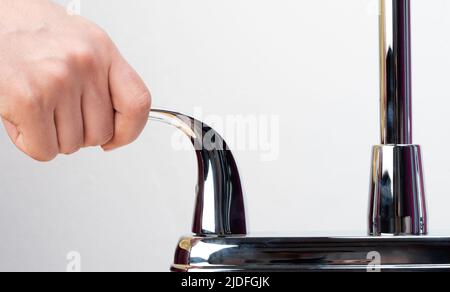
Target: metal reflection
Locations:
point(397, 191)
point(219, 208)
point(303, 254)
point(395, 63)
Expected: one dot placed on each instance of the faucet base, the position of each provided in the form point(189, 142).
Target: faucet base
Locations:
point(312, 254)
point(397, 191)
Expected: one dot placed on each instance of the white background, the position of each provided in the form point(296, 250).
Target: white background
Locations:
point(314, 63)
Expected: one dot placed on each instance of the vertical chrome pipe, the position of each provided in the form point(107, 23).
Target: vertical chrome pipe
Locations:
point(395, 50)
point(397, 188)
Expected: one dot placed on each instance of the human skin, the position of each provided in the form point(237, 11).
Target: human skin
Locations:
point(63, 83)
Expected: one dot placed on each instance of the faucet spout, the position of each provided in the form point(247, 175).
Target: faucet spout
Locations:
point(397, 188)
point(395, 62)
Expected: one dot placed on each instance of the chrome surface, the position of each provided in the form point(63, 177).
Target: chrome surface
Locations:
point(398, 223)
point(219, 208)
point(395, 62)
point(357, 254)
point(397, 203)
point(397, 193)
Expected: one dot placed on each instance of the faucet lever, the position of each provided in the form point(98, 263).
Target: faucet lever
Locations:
point(219, 209)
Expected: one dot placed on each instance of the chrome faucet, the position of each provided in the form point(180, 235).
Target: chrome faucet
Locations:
point(398, 226)
point(219, 208)
point(397, 192)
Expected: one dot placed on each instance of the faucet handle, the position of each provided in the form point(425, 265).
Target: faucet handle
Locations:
point(219, 207)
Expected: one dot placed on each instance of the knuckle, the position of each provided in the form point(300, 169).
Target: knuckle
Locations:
point(140, 105)
point(70, 149)
point(26, 98)
point(82, 54)
point(57, 75)
point(44, 156)
point(104, 137)
point(107, 137)
point(70, 139)
point(100, 37)
point(30, 101)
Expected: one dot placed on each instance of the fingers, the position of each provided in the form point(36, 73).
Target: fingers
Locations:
point(83, 96)
point(98, 113)
point(64, 85)
point(131, 101)
point(69, 125)
point(74, 124)
point(110, 111)
point(36, 137)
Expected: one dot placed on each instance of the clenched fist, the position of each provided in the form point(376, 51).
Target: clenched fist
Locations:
point(64, 84)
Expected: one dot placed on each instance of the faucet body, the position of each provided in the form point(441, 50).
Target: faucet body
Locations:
point(317, 254)
point(395, 72)
point(397, 188)
point(220, 241)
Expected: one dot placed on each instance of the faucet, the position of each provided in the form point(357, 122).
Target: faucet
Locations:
point(397, 192)
point(397, 237)
point(219, 207)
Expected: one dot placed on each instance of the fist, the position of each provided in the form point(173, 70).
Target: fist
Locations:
point(64, 84)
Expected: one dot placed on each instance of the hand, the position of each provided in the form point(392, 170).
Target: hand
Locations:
point(64, 84)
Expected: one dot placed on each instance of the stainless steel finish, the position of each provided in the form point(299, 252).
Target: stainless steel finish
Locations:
point(395, 62)
point(397, 190)
point(299, 254)
point(219, 206)
point(398, 219)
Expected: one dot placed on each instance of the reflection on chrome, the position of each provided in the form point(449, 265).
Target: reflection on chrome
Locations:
point(397, 192)
point(219, 206)
point(397, 188)
point(397, 203)
point(266, 254)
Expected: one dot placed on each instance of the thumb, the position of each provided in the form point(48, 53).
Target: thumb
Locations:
point(131, 101)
